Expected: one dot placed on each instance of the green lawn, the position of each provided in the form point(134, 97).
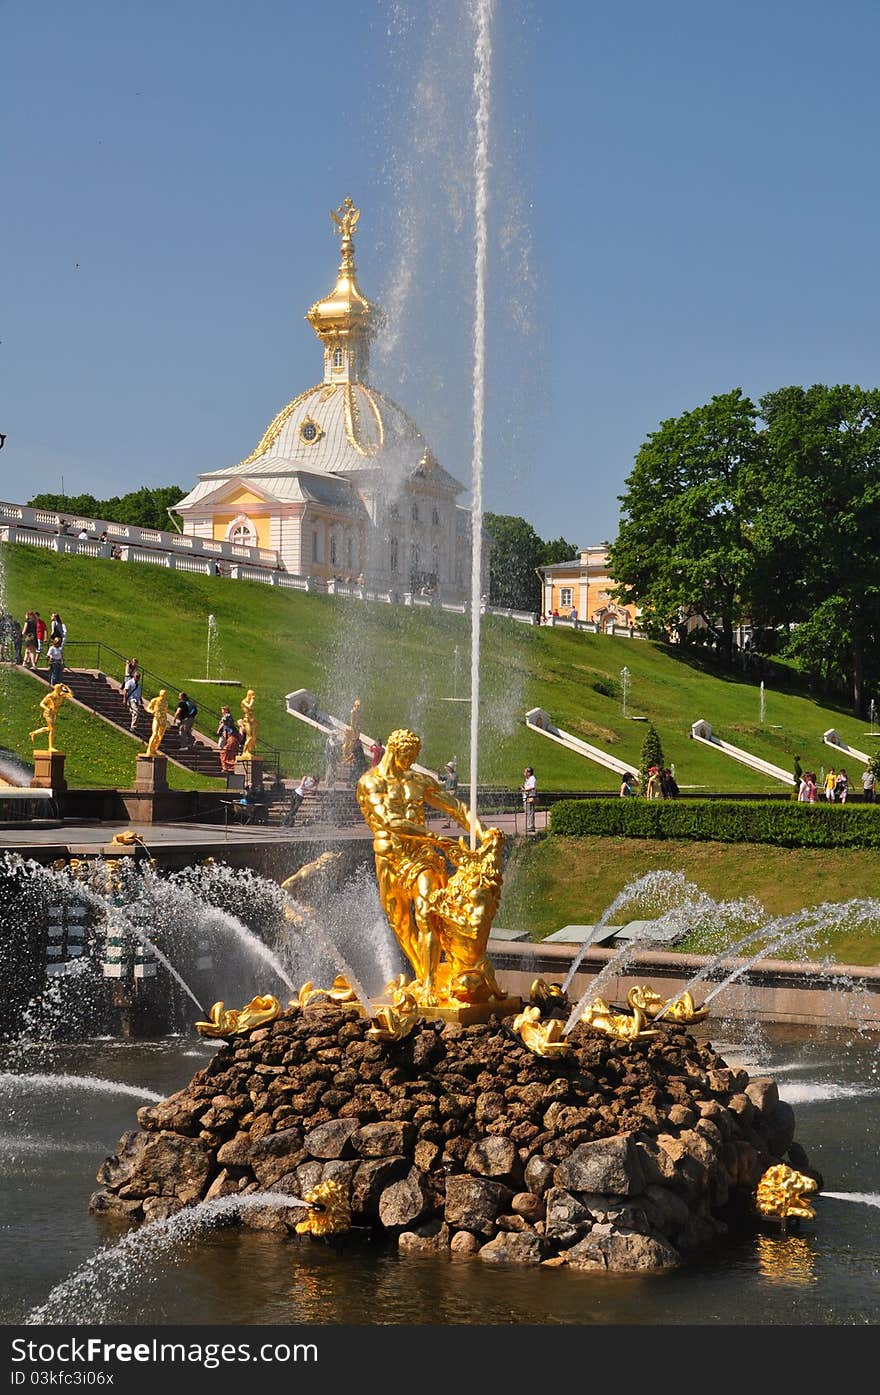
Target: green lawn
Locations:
point(550, 882)
point(402, 664)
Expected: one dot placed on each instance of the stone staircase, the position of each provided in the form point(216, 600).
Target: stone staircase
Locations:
point(103, 695)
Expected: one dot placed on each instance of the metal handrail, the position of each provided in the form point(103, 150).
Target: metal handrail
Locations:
point(100, 648)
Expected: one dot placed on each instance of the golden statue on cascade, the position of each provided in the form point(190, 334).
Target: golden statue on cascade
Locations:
point(440, 918)
point(249, 724)
point(158, 710)
point(49, 707)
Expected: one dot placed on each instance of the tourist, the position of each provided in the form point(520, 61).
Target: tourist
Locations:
point(841, 786)
point(42, 631)
point(652, 784)
point(868, 784)
point(228, 741)
point(116, 552)
point(829, 786)
point(103, 536)
point(29, 639)
point(628, 786)
point(83, 535)
point(448, 778)
point(529, 791)
point(184, 715)
point(377, 751)
point(331, 759)
point(131, 697)
point(306, 785)
point(131, 666)
point(55, 656)
point(57, 628)
point(808, 792)
point(668, 786)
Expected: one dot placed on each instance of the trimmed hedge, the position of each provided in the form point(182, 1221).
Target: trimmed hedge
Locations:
point(787, 824)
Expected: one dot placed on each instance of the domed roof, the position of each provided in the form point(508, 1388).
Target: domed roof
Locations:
point(334, 428)
point(341, 426)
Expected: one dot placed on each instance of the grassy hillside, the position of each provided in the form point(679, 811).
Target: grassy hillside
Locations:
point(549, 882)
point(403, 665)
point(98, 756)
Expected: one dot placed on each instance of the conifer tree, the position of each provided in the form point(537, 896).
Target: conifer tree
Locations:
point(652, 751)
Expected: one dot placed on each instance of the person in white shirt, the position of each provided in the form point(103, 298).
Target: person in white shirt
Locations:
point(55, 655)
point(529, 790)
point(307, 785)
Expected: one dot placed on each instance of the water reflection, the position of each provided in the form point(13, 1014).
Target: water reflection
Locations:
point(786, 1259)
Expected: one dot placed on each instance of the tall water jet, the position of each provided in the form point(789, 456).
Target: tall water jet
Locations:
point(212, 648)
point(482, 94)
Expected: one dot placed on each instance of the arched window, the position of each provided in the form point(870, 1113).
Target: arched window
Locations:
point(393, 554)
point(334, 558)
point(415, 512)
point(435, 517)
point(316, 545)
point(349, 552)
point(338, 358)
point(242, 532)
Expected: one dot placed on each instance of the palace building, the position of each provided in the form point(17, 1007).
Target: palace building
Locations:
point(342, 485)
point(585, 585)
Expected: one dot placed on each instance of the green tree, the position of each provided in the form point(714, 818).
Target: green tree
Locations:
point(683, 548)
point(143, 508)
point(817, 533)
point(517, 552)
point(652, 751)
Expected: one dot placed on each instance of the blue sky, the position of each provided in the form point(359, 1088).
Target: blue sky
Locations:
point(683, 200)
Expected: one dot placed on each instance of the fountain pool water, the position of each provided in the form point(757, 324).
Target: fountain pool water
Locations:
point(823, 1272)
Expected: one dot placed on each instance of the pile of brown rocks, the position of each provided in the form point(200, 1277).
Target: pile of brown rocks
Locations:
point(616, 1156)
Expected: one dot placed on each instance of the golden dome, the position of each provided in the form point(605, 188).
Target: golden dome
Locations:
point(345, 313)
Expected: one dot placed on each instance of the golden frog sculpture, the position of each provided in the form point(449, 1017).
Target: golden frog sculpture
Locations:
point(782, 1192)
point(543, 1038)
point(329, 1213)
point(681, 1009)
point(228, 1022)
point(619, 1025)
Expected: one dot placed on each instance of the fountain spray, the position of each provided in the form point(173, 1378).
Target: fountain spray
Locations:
point(482, 90)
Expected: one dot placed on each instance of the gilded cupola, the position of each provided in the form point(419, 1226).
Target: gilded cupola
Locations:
point(345, 320)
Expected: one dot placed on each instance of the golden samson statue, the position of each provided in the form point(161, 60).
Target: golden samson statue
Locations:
point(440, 896)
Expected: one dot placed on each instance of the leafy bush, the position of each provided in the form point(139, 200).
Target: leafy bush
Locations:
point(606, 687)
point(723, 821)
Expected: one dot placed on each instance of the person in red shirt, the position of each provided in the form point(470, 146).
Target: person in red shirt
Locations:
point(41, 633)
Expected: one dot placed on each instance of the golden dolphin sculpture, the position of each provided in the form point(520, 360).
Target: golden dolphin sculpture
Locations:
point(227, 1022)
point(329, 1213)
point(680, 1009)
point(619, 1025)
point(782, 1192)
point(542, 1038)
point(395, 1020)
